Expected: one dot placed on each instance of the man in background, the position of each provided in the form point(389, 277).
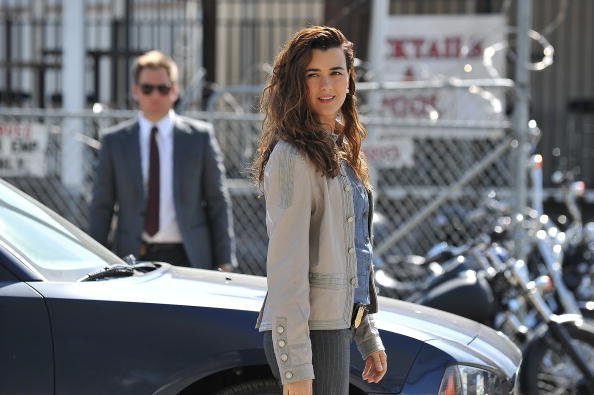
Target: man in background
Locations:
point(165, 175)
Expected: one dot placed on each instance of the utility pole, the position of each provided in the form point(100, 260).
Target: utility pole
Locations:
point(73, 92)
point(520, 117)
point(379, 10)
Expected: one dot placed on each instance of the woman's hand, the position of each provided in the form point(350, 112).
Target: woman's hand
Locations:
point(302, 387)
point(376, 366)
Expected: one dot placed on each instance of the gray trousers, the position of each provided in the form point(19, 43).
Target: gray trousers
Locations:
point(331, 358)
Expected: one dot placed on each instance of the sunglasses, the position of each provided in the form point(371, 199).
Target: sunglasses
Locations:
point(147, 89)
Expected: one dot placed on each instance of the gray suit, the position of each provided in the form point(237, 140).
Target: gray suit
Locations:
point(201, 199)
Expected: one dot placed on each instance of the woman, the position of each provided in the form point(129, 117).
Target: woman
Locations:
point(318, 216)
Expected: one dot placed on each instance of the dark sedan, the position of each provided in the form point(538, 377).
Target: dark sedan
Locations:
point(76, 319)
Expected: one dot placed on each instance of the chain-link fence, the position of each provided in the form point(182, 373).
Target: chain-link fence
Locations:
point(430, 173)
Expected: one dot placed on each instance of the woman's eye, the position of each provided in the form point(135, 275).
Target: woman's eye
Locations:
point(311, 75)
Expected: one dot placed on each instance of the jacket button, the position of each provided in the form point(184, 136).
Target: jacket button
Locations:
point(347, 188)
point(350, 219)
point(351, 251)
point(288, 375)
point(284, 357)
point(280, 329)
point(354, 281)
point(281, 343)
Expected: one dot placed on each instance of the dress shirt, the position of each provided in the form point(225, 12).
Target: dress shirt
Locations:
point(168, 231)
point(363, 245)
point(362, 240)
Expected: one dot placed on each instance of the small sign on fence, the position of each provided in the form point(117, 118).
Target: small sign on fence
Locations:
point(393, 153)
point(22, 149)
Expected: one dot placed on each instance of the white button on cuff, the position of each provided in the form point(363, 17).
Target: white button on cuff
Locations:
point(284, 357)
point(350, 220)
point(351, 250)
point(289, 375)
point(353, 281)
point(281, 343)
point(280, 329)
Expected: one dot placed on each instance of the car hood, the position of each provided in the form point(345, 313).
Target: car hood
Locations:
point(171, 285)
point(470, 342)
point(206, 288)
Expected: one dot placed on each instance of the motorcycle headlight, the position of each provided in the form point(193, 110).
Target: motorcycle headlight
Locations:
point(469, 380)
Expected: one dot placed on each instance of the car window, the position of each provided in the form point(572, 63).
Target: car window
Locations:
point(5, 275)
point(55, 248)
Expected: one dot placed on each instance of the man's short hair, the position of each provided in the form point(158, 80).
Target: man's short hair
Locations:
point(154, 60)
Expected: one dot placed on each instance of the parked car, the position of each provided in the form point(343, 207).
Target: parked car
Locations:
point(76, 319)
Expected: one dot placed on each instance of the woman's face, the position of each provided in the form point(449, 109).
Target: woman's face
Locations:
point(327, 81)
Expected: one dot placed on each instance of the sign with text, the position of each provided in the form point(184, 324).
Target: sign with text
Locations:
point(437, 48)
point(426, 47)
point(22, 149)
point(393, 153)
point(442, 47)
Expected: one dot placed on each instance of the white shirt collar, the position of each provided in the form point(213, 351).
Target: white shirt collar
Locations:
point(165, 124)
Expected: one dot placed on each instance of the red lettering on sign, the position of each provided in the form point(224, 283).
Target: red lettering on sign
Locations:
point(424, 48)
point(15, 130)
point(410, 106)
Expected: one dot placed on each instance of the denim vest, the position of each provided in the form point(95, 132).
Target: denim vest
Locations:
point(362, 238)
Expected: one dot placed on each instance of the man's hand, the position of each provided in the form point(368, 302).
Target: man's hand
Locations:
point(302, 387)
point(225, 267)
point(376, 366)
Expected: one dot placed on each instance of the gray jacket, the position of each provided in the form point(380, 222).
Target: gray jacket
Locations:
point(311, 263)
point(202, 203)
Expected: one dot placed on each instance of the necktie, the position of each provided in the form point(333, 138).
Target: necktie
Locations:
point(151, 222)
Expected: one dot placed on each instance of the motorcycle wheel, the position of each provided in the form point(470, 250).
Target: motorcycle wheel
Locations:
point(547, 369)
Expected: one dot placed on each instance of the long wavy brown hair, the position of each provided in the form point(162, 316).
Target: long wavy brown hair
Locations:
point(287, 115)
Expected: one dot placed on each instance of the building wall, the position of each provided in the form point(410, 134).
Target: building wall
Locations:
point(115, 32)
point(562, 94)
point(250, 33)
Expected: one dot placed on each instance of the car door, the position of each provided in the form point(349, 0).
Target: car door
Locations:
point(26, 351)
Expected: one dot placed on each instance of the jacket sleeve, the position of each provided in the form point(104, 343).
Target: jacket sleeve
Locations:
point(288, 193)
point(367, 337)
point(218, 203)
point(102, 204)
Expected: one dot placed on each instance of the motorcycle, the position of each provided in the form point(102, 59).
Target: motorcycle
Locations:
point(558, 350)
point(578, 245)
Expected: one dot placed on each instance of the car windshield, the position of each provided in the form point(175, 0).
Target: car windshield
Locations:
point(58, 250)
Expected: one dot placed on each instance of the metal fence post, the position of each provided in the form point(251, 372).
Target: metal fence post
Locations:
point(520, 118)
point(73, 93)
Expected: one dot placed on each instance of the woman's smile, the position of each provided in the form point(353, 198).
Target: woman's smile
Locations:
point(326, 99)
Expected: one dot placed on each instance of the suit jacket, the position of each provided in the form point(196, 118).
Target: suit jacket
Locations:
point(201, 199)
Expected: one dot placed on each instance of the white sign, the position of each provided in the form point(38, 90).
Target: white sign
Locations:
point(392, 153)
point(426, 47)
point(437, 48)
point(22, 149)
